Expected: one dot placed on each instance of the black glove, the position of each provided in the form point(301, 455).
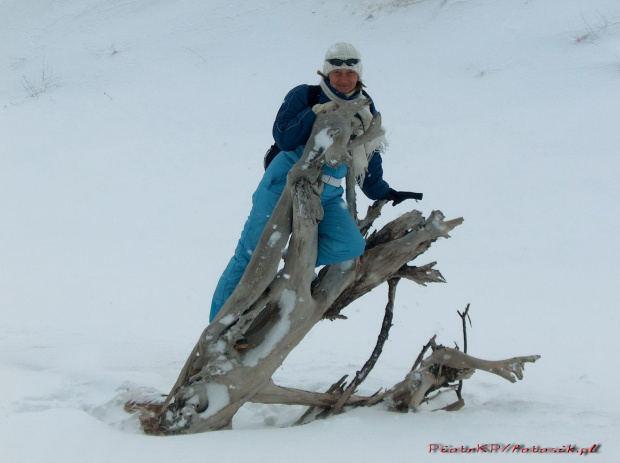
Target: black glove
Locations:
point(399, 196)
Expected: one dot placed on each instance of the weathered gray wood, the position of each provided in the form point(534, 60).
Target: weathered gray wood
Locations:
point(398, 243)
point(449, 365)
point(276, 309)
point(444, 365)
point(272, 394)
point(216, 380)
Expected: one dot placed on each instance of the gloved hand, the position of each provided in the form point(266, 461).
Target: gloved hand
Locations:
point(399, 196)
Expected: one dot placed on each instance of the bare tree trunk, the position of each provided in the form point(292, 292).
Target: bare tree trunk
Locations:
point(275, 310)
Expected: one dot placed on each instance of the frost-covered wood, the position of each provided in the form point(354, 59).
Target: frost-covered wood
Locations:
point(276, 309)
point(445, 366)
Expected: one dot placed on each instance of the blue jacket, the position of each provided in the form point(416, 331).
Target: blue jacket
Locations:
point(293, 126)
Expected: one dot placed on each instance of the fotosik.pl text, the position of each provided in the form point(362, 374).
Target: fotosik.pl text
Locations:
point(512, 448)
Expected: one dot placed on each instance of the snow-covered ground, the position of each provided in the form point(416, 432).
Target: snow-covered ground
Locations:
point(131, 139)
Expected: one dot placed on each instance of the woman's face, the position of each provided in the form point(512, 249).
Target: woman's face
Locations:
point(343, 80)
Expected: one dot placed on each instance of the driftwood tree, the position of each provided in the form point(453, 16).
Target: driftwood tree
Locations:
point(274, 309)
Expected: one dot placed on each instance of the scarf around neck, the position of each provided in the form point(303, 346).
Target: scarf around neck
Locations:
point(359, 123)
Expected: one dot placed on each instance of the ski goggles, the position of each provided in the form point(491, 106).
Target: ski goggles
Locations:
point(340, 62)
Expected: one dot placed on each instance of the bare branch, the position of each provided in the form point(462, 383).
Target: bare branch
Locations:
point(388, 250)
point(421, 275)
point(370, 363)
point(310, 414)
point(447, 365)
point(464, 316)
point(372, 214)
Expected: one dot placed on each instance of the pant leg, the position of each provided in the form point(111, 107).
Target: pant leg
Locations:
point(264, 201)
point(339, 237)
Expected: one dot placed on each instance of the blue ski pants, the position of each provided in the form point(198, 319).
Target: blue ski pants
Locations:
point(339, 238)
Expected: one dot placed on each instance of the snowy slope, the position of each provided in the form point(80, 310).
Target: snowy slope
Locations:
point(125, 181)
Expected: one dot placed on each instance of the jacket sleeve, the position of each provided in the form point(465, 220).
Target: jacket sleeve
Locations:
point(294, 120)
point(374, 186)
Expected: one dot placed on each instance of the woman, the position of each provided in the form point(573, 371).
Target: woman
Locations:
point(339, 238)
